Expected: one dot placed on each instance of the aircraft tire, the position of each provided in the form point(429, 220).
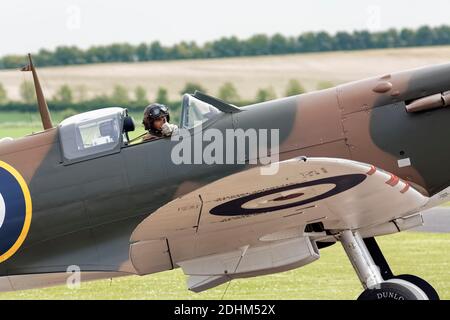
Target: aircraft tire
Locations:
point(422, 284)
point(394, 289)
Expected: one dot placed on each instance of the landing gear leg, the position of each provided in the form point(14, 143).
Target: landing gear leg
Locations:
point(366, 269)
point(376, 276)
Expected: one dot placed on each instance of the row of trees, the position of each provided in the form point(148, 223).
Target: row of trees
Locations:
point(121, 96)
point(232, 47)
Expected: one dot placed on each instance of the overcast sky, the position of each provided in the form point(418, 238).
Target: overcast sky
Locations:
point(26, 26)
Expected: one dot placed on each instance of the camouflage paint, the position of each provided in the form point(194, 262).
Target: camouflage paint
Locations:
point(84, 213)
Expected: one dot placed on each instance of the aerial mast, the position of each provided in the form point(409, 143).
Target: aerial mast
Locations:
point(42, 103)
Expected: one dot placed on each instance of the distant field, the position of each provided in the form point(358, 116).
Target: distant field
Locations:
point(247, 74)
point(331, 277)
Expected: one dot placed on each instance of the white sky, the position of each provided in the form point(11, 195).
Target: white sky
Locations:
point(28, 25)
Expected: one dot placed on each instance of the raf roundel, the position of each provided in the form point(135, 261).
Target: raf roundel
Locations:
point(15, 210)
point(271, 201)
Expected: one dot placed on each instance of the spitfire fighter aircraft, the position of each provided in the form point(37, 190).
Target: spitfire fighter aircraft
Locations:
point(354, 162)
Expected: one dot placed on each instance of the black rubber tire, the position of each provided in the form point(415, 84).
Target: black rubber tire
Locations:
point(388, 291)
point(421, 283)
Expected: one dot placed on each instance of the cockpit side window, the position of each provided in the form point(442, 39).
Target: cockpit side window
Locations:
point(97, 133)
point(90, 136)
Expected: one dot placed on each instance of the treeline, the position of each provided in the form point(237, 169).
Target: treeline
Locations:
point(233, 47)
point(73, 100)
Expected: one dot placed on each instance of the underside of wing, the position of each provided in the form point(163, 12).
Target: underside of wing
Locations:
point(208, 230)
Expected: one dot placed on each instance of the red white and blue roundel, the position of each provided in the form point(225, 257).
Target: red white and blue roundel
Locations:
point(15, 210)
point(288, 196)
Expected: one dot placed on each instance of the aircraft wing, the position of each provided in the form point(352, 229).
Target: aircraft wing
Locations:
point(258, 221)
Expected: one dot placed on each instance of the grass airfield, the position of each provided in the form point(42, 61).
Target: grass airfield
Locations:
point(331, 277)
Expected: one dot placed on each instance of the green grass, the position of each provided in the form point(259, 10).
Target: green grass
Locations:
point(331, 277)
point(7, 117)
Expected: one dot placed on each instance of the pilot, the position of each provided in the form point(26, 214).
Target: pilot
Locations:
point(156, 122)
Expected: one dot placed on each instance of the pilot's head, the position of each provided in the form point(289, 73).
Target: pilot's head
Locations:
point(155, 115)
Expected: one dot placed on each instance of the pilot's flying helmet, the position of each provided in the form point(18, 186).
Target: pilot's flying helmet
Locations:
point(153, 112)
